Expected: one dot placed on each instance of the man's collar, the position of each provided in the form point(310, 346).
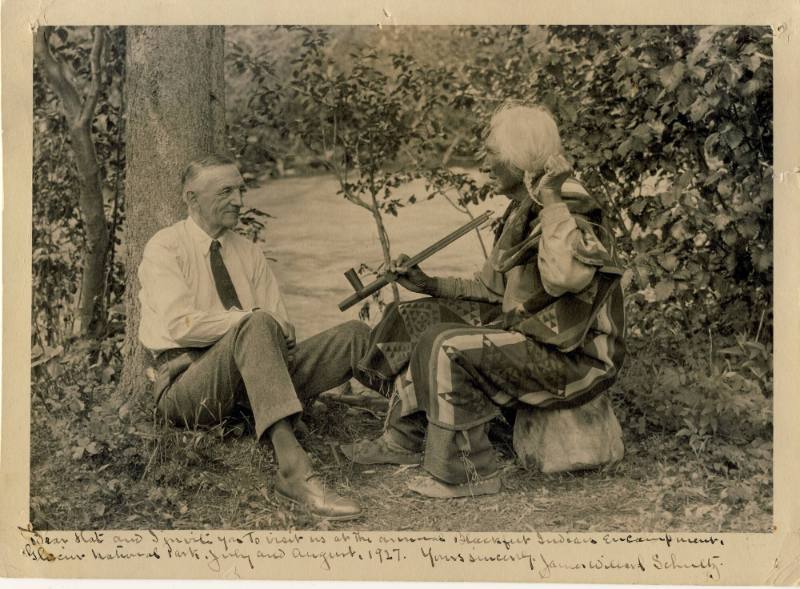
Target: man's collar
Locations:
point(203, 239)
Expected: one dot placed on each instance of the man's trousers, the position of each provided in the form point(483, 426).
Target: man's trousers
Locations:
point(249, 367)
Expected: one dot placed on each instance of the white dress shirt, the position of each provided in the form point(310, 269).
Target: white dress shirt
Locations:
point(179, 300)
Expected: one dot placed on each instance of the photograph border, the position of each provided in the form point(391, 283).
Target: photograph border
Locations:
point(763, 559)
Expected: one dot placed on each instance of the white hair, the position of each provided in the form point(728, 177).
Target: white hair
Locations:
point(524, 136)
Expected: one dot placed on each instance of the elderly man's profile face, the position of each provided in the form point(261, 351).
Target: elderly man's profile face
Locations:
point(503, 177)
point(216, 198)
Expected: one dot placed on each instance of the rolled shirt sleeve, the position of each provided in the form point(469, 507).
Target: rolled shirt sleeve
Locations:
point(560, 270)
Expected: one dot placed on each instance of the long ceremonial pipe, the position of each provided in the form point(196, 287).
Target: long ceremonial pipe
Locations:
point(363, 291)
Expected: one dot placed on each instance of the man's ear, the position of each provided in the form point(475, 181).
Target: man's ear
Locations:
point(190, 197)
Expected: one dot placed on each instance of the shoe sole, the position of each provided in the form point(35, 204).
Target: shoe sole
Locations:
point(338, 518)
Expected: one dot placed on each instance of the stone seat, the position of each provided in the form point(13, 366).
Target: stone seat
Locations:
point(560, 440)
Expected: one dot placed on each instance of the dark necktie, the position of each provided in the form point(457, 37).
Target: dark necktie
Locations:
point(222, 280)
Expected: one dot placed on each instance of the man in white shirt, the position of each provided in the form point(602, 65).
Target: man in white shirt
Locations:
point(214, 319)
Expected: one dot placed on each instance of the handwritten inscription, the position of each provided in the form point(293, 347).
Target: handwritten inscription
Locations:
point(535, 555)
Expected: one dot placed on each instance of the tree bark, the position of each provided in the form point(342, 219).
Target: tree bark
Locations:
point(79, 112)
point(175, 113)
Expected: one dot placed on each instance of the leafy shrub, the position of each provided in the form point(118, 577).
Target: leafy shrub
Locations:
point(672, 127)
point(720, 411)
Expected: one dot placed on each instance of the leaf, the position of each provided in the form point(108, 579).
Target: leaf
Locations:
point(643, 132)
point(671, 378)
point(661, 220)
point(627, 278)
point(705, 40)
point(740, 492)
point(638, 206)
point(669, 262)
point(667, 199)
point(747, 229)
point(732, 72)
point(751, 87)
point(762, 261)
point(730, 259)
point(754, 61)
point(657, 127)
point(628, 64)
point(664, 289)
point(725, 187)
point(569, 111)
point(700, 240)
point(625, 147)
point(721, 221)
point(699, 109)
point(672, 75)
point(678, 231)
point(733, 137)
point(698, 72)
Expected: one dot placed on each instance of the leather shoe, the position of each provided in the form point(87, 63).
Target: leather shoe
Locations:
point(320, 500)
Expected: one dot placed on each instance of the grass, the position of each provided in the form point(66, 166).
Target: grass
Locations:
point(205, 480)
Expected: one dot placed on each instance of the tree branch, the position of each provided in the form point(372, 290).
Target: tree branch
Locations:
point(92, 93)
point(55, 72)
point(357, 201)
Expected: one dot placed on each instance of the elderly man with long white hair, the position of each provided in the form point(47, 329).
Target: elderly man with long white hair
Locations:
point(541, 325)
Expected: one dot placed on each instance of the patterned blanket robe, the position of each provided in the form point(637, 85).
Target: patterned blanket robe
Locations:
point(459, 361)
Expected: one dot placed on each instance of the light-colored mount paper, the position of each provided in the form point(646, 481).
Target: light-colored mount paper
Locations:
point(677, 558)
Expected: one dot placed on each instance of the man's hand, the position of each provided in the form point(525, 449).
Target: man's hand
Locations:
point(414, 279)
point(556, 170)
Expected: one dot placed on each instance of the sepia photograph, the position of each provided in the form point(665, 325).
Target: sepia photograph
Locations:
point(400, 293)
point(417, 277)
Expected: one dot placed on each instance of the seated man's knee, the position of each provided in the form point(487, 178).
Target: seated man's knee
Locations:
point(260, 317)
point(356, 334)
point(357, 330)
point(263, 322)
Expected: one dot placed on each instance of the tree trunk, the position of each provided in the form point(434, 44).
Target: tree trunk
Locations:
point(91, 315)
point(175, 113)
point(79, 112)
